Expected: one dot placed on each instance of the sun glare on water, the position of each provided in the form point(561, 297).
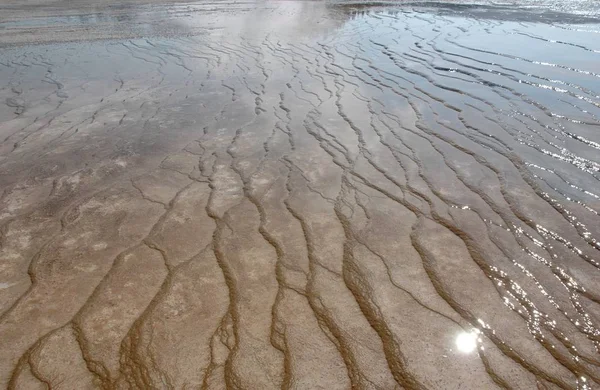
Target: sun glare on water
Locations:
point(466, 342)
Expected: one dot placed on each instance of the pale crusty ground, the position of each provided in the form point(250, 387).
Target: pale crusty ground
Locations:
point(295, 195)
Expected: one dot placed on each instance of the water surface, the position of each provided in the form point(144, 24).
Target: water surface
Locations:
point(300, 195)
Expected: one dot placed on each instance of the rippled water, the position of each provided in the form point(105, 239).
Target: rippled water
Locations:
point(302, 195)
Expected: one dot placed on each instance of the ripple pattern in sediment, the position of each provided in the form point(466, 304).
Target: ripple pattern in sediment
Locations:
point(327, 208)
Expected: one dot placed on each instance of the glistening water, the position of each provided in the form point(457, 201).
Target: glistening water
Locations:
point(301, 195)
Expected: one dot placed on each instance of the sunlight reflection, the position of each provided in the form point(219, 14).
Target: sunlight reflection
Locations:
point(466, 342)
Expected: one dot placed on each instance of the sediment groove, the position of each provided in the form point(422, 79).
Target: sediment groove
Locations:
point(336, 203)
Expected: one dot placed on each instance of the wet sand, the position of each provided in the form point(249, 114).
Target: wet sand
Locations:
point(304, 195)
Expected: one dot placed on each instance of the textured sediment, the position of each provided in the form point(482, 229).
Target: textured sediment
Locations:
point(297, 195)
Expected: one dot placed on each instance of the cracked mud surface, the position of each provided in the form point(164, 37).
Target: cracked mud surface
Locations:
point(298, 195)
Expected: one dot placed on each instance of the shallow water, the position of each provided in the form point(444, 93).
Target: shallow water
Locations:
point(300, 195)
